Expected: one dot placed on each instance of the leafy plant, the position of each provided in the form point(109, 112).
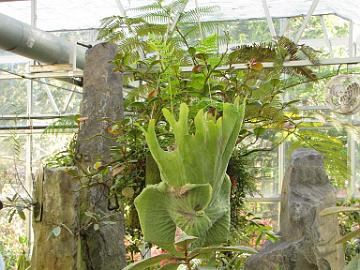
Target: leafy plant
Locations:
point(155, 42)
point(23, 261)
point(187, 257)
point(164, 21)
point(191, 204)
point(329, 143)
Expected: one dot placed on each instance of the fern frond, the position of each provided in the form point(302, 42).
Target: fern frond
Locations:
point(332, 147)
point(310, 54)
point(192, 30)
point(261, 52)
point(156, 17)
point(155, 6)
point(176, 6)
point(112, 21)
point(111, 28)
point(64, 124)
point(193, 15)
point(208, 45)
point(16, 144)
point(155, 29)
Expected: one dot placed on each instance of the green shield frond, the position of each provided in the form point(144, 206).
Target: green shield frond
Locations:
point(194, 194)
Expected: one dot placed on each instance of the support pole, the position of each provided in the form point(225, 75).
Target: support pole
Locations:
point(351, 39)
point(326, 36)
point(269, 19)
point(306, 21)
point(102, 105)
point(283, 26)
point(121, 8)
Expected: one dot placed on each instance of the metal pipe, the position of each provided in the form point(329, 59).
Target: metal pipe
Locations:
point(22, 39)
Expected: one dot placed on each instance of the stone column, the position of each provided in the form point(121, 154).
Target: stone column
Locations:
point(56, 193)
point(307, 240)
point(66, 198)
point(102, 104)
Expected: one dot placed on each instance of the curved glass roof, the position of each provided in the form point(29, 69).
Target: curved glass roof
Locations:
point(83, 14)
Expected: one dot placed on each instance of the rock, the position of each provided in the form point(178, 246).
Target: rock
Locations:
point(56, 192)
point(307, 240)
point(102, 105)
point(64, 198)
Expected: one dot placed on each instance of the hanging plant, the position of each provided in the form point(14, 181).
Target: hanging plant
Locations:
point(194, 194)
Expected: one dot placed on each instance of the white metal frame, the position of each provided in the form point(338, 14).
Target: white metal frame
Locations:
point(326, 36)
point(269, 19)
point(306, 20)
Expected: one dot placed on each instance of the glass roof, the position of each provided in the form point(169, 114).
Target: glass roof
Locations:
point(84, 14)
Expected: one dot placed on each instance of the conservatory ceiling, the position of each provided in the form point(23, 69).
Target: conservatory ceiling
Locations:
point(83, 14)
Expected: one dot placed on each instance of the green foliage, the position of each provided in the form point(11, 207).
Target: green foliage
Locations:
point(23, 261)
point(155, 41)
point(186, 256)
point(65, 124)
point(165, 22)
point(194, 193)
point(354, 264)
point(64, 158)
point(14, 249)
point(330, 144)
point(283, 49)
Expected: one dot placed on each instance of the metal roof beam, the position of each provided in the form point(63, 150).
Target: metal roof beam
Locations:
point(351, 39)
point(121, 8)
point(284, 22)
point(269, 19)
point(298, 63)
point(326, 36)
point(306, 21)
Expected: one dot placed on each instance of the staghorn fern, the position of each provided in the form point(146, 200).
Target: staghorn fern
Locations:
point(283, 49)
point(194, 194)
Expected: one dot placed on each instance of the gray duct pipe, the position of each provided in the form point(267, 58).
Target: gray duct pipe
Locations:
point(22, 39)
